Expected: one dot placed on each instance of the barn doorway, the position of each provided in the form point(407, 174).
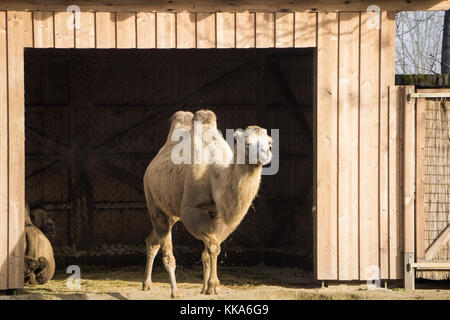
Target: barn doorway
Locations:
point(96, 118)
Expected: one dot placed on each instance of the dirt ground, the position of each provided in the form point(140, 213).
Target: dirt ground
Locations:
point(237, 283)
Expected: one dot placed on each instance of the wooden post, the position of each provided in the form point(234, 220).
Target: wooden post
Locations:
point(409, 173)
point(420, 179)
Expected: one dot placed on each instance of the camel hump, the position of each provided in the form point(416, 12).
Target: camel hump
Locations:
point(256, 130)
point(181, 119)
point(206, 117)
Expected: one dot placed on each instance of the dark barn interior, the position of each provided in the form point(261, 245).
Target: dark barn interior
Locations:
point(96, 118)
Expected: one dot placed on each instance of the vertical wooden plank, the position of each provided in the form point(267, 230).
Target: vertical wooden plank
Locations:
point(284, 30)
point(146, 30)
point(369, 149)
point(105, 29)
point(387, 79)
point(265, 30)
point(420, 178)
point(409, 174)
point(43, 29)
point(206, 30)
point(20, 35)
point(126, 30)
point(395, 184)
point(325, 262)
point(305, 29)
point(225, 30)
point(165, 30)
point(85, 35)
point(3, 156)
point(186, 30)
point(64, 32)
point(348, 145)
point(245, 30)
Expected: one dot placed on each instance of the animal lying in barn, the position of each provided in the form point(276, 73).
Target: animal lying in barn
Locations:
point(39, 261)
point(42, 221)
point(210, 199)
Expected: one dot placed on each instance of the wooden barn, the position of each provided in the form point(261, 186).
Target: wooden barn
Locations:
point(87, 89)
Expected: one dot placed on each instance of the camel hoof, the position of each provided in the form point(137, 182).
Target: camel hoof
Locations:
point(203, 291)
point(146, 286)
point(175, 294)
point(212, 291)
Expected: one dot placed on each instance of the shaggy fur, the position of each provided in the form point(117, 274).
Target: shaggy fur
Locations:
point(39, 260)
point(210, 199)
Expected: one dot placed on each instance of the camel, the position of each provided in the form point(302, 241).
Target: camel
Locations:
point(39, 261)
point(209, 199)
point(42, 221)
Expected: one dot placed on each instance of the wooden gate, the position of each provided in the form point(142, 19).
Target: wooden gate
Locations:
point(426, 186)
point(432, 223)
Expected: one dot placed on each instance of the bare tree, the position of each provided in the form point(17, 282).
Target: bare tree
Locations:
point(419, 42)
point(445, 61)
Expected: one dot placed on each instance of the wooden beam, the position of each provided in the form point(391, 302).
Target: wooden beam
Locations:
point(283, 85)
point(165, 30)
point(348, 145)
point(3, 156)
point(245, 30)
point(369, 86)
point(126, 30)
point(85, 35)
point(265, 30)
point(64, 33)
point(180, 104)
point(119, 173)
point(284, 30)
point(206, 30)
point(305, 29)
point(47, 142)
point(395, 183)
point(43, 29)
point(186, 26)
point(224, 5)
point(325, 121)
point(225, 29)
point(146, 30)
point(440, 241)
point(20, 35)
point(409, 174)
point(420, 178)
point(105, 29)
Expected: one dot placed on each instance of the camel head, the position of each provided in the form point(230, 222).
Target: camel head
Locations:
point(43, 222)
point(257, 144)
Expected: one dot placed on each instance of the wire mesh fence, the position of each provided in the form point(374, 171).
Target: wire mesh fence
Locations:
point(437, 172)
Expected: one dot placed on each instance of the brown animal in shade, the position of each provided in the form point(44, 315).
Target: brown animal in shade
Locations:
point(39, 260)
point(209, 199)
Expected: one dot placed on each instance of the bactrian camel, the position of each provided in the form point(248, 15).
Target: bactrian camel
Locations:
point(39, 265)
point(209, 199)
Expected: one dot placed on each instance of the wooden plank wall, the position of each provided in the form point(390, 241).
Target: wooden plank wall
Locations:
point(357, 149)
point(356, 213)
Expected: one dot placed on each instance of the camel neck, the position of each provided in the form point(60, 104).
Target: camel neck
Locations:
point(241, 189)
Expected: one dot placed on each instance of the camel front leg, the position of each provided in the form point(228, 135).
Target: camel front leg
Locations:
point(169, 262)
point(152, 250)
point(206, 269)
point(213, 247)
